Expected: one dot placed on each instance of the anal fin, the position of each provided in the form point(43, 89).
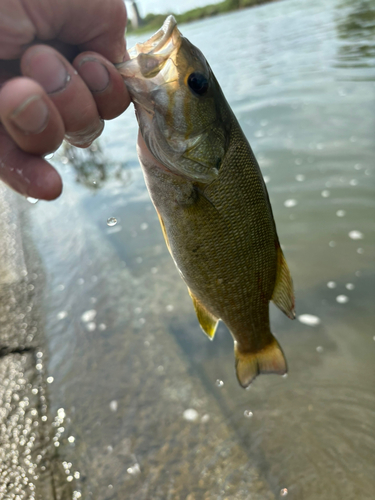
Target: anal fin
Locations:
point(249, 365)
point(283, 295)
point(207, 321)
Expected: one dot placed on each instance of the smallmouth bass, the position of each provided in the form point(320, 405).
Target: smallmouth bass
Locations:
point(212, 202)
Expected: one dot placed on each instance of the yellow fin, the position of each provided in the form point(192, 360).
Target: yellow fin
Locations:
point(207, 321)
point(249, 365)
point(164, 232)
point(283, 295)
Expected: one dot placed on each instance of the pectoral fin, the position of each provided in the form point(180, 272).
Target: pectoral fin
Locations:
point(283, 295)
point(207, 321)
point(164, 232)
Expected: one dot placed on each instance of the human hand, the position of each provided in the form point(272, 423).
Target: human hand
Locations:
point(56, 80)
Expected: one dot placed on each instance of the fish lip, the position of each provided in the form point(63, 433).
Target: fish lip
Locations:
point(157, 41)
point(158, 48)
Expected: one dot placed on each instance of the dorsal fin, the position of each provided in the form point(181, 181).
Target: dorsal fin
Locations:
point(207, 320)
point(283, 295)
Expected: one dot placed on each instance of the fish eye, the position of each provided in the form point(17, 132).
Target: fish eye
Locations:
point(198, 83)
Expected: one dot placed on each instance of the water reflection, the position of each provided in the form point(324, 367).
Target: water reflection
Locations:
point(92, 166)
point(357, 32)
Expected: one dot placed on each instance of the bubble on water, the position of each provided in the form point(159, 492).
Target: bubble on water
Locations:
point(350, 286)
point(44, 418)
point(76, 494)
point(332, 244)
point(205, 418)
point(248, 413)
point(355, 235)
point(102, 327)
point(284, 492)
point(360, 250)
point(358, 166)
point(32, 200)
point(49, 156)
point(113, 405)
point(144, 226)
point(142, 321)
point(61, 315)
point(64, 160)
point(138, 310)
point(91, 326)
point(80, 281)
point(340, 213)
point(154, 270)
point(190, 415)
point(69, 478)
point(290, 203)
point(219, 383)
point(88, 316)
point(300, 178)
point(60, 288)
point(134, 470)
point(50, 380)
point(325, 193)
point(111, 221)
point(342, 299)
point(309, 319)
point(259, 133)
point(139, 260)
point(77, 475)
point(331, 284)
point(169, 308)
point(71, 439)
point(263, 123)
point(319, 348)
point(353, 182)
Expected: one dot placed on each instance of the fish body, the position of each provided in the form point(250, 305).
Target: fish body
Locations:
point(210, 197)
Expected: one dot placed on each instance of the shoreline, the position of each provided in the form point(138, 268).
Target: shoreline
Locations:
point(152, 22)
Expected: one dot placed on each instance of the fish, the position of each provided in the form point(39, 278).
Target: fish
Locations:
point(210, 197)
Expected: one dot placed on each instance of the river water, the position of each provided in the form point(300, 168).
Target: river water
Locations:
point(147, 407)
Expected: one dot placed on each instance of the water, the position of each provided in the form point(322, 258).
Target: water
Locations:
point(135, 382)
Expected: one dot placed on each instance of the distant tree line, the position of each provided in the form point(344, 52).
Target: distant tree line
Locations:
point(154, 21)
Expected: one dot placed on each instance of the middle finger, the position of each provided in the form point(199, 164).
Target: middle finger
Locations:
point(67, 91)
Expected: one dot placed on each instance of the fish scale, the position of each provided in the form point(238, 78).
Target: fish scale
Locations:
point(212, 202)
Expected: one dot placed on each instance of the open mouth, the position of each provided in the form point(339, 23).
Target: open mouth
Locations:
point(161, 43)
point(148, 58)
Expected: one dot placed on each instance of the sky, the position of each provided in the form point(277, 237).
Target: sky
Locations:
point(163, 6)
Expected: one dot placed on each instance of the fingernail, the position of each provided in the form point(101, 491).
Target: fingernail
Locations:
point(94, 74)
point(49, 71)
point(31, 117)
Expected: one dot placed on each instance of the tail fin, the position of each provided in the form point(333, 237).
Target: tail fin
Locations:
point(270, 359)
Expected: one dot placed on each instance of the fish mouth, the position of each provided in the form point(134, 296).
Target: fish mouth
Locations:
point(159, 43)
point(147, 59)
